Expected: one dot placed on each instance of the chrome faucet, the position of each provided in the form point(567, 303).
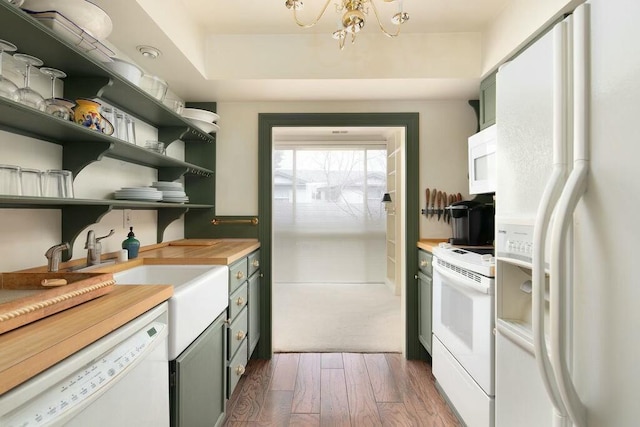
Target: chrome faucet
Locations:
point(54, 255)
point(94, 247)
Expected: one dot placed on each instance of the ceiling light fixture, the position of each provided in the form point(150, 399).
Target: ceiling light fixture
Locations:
point(353, 17)
point(149, 51)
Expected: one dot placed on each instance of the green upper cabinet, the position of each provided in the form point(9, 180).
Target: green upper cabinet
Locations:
point(488, 101)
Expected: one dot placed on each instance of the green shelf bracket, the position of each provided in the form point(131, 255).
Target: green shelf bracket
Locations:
point(166, 217)
point(85, 87)
point(170, 134)
point(171, 174)
point(77, 155)
point(77, 218)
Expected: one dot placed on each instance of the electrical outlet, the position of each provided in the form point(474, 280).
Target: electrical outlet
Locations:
point(126, 218)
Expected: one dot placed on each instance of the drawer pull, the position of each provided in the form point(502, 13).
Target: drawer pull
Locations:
point(424, 263)
point(239, 275)
point(239, 370)
point(240, 335)
point(240, 301)
point(255, 263)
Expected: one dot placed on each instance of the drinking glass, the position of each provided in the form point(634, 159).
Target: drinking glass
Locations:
point(26, 95)
point(120, 125)
point(10, 181)
point(58, 183)
point(7, 88)
point(131, 129)
point(58, 107)
point(31, 182)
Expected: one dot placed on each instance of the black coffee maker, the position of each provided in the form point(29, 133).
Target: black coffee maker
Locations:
point(472, 223)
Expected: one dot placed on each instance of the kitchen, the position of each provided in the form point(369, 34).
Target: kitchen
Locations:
point(450, 120)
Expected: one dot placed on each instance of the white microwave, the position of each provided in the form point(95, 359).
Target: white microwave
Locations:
point(482, 161)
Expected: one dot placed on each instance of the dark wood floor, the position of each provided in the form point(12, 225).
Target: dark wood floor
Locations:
point(338, 389)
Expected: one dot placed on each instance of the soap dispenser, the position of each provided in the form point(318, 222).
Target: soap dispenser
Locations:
point(131, 244)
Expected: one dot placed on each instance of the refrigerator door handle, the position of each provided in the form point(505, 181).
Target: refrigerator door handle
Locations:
point(561, 278)
point(543, 216)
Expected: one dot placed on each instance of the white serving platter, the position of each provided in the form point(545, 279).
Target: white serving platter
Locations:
point(198, 114)
point(205, 126)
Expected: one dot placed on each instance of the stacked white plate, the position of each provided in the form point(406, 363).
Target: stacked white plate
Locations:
point(203, 119)
point(172, 192)
point(147, 194)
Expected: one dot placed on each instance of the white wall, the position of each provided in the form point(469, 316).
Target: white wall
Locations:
point(444, 129)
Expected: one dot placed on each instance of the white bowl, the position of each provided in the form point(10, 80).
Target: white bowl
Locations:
point(197, 114)
point(83, 13)
point(126, 69)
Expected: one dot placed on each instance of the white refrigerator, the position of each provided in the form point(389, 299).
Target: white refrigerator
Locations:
point(567, 196)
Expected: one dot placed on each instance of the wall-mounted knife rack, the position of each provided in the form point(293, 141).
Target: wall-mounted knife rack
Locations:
point(436, 203)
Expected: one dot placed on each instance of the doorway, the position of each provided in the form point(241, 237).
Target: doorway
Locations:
point(329, 241)
point(407, 121)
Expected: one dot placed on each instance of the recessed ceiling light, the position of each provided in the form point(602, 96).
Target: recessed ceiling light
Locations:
point(149, 51)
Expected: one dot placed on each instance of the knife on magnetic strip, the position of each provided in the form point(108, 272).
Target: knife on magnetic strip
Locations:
point(439, 204)
point(433, 203)
point(426, 207)
point(444, 204)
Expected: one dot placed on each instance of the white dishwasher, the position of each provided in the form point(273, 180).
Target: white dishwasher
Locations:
point(119, 380)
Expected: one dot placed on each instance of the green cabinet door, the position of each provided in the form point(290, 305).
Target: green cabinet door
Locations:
point(425, 310)
point(198, 379)
point(254, 312)
point(488, 101)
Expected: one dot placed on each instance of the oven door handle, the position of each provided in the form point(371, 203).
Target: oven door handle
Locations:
point(459, 282)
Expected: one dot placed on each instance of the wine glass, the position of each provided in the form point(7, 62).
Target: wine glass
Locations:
point(26, 95)
point(7, 88)
point(58, 107)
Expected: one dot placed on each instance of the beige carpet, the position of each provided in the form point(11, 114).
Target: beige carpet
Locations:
point(336, 318)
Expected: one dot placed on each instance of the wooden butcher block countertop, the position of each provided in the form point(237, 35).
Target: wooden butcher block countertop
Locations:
point(32, 348)
point(429, 244)
point(200, 251)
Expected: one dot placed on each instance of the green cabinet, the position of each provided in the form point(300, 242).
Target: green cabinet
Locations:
point(243, 316)
point(198, 379)
point(488, 101)
point(425, 290)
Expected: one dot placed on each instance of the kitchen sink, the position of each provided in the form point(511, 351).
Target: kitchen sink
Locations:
point(200, 294)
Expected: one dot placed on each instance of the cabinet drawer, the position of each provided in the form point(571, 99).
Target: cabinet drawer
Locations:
point(254, 262)
point(237, 274)
point(237, 301)
point(425, 262)
point(236, 370)
point(237, 333)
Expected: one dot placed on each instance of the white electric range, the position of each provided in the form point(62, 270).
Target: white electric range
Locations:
point(463, 322)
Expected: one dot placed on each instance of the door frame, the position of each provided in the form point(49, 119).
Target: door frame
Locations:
point(408, 121)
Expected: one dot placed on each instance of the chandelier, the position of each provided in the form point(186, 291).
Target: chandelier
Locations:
point(353, 17)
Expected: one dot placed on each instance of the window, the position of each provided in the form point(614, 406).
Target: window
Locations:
point(327, 213)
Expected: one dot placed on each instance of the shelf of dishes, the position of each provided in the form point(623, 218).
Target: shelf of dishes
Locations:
point(87, 77)
point(29, 202)
point(58, 184)
point(83, 146)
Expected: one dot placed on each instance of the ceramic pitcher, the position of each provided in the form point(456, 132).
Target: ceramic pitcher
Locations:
point(87, 114)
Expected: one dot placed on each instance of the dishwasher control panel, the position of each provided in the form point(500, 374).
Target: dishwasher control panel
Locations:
point(86, 383)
